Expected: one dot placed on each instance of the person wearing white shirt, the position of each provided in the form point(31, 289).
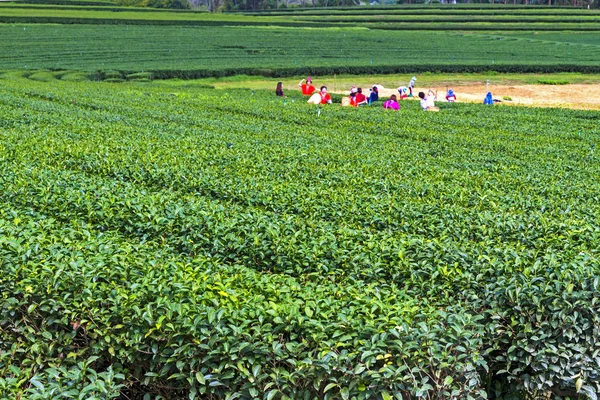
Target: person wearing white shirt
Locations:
point(428, 103)
point(431, 97)
point(411, 85)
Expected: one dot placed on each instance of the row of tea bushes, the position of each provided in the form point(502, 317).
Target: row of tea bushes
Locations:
point(201, 243)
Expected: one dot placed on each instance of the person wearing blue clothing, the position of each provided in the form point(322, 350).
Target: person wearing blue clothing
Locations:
point(488, 99)
point(450, 96)
point(373, 94)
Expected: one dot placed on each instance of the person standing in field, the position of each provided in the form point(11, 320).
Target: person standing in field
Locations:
point(307, 88)
point(411, 85)
point(279, 89)
point(392, 103)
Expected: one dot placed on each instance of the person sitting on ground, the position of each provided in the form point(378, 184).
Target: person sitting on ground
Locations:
point(279, 89)
point(325, 97)
point(488, 99)
point(353, 100)
point(426, 104)
point(431, 98)
point(361, 99)
point(392, 103)
point(373, 94)
point(307, 88)
point(450, 96)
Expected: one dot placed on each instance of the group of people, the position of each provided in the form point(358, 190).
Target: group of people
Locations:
point(427, 102)
point(357, 98)
point(307, 88)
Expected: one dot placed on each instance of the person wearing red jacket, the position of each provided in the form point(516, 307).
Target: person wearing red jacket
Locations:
point(361, 99)
point(307, 88)
point(325, 97)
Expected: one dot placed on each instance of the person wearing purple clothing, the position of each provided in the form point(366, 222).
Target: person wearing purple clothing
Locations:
point(391, 104)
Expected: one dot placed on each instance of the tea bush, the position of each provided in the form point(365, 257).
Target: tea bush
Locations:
point(199, 243)
point(112, 52)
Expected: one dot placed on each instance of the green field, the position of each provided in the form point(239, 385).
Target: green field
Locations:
point(453, 19)
point(364, 40)
point(280, 51)
point(205, 239)
point(195, 242)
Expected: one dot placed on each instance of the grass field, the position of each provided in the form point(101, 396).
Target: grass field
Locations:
point(307, 255)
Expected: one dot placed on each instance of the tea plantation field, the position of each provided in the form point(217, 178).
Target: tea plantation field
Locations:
point(197, 51)
point(114, 42)
point(429, 17)
point(196, 243)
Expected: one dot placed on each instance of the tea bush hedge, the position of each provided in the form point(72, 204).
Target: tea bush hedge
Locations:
point(199, 243)
point(196, 51)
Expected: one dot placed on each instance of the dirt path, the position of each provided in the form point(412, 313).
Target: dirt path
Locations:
point(575, 96)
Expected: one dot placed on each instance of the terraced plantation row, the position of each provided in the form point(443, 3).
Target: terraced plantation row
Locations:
point(432, 9)
point(394, 18)
point(448, 18)
point(208, 244)
point(276, 51)
point(429, 7)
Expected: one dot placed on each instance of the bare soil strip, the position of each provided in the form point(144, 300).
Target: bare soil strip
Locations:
point(574, 96)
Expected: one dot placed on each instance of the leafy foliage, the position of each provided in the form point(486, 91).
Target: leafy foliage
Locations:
point(208, 244)
point(178, 51)
point(552, 82)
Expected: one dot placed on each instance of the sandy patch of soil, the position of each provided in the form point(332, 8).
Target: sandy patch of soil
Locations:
point(575, 96)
